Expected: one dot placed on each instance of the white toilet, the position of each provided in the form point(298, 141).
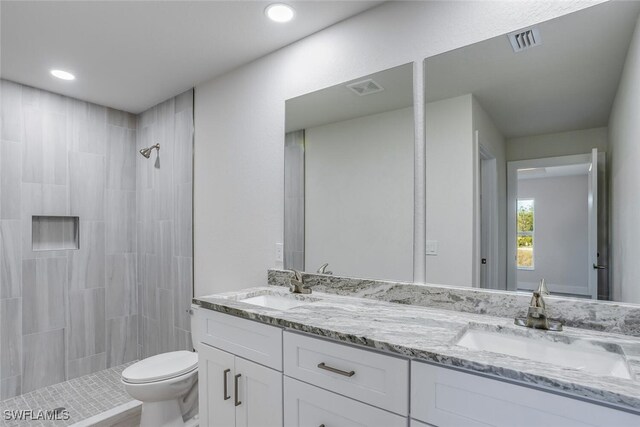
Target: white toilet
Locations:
point(163, 383)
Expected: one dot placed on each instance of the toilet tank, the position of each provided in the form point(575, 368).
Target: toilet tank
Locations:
point(196, 326)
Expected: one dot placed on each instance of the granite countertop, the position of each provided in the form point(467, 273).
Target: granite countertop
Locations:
point(431, 334)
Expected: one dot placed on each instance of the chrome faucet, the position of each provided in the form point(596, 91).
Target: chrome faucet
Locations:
point(323, 269)
point(296, 285)
point(537, 316)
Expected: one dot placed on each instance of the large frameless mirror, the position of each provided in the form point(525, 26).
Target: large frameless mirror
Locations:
point(349, 155)
point(531, 169)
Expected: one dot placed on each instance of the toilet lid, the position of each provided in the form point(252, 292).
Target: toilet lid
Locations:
point(161, 367)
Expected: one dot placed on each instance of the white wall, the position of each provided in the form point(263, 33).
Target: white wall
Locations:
point(239, 118)
point(624, 131)
point(560, 233)
point(489, 136)
point(359, 196)
point(449, 155)
point(557, 144)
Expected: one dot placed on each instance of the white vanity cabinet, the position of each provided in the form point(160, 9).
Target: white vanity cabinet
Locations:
point(252, 374)
point(235, 391)
point(445, 397)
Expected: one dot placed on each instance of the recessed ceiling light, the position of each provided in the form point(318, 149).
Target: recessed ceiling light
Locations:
point(64, 75)
point(279, 12)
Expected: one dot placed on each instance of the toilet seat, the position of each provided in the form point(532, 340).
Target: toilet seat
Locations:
point(161, 367)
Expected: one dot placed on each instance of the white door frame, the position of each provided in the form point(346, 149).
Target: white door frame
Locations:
point(487, 187)
point(512, 198)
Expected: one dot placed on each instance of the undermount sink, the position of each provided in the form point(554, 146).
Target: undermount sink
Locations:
point(593, 357)
point(277, 301)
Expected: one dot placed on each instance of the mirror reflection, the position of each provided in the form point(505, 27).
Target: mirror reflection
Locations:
point(349, 178)
point(532, 153)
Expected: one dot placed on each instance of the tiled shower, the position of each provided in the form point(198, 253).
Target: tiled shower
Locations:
point(103, 276)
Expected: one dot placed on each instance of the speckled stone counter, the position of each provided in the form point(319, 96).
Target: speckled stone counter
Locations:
point(430, 334)
point(580, 313)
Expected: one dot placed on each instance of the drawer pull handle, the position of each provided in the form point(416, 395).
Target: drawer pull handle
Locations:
point(335, 370)
point(224, 380)
point(321, 425)
point(238, 403)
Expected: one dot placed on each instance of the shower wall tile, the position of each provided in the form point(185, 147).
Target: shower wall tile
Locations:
point(165, 238)
point(43, 359)
point(149, 298)
point(10, 337)
point(10, 179)
point(121, 221)
point(121, 119)
point(97, 128)
point(87, 365)
point(122, 340)
point(43, 294)
point(87, 186)
point(86, 323)
point(32, 160)
point(11, 110)
point(183, 340)
point(150, 335)
point(183, 279)
point(151, 273)
point(121, 285)
point(87, 264)
point(10, 387)
point(183, 220)
point(165, 321)
point(10, 259)
point(54, 148)
point(121, 158)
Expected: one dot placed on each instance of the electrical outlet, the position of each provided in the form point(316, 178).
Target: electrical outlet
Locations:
point(431, 247)
point(279, 252)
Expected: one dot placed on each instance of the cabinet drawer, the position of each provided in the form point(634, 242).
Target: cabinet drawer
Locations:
point(446, 397)
point(245, 338)
point(370, 377)
point(306, 405)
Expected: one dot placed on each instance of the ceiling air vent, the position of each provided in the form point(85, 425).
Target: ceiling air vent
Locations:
point(525, 39)
point(365, 87)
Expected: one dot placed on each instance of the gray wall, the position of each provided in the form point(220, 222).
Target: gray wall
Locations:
point(164, 215)
point(65, 313)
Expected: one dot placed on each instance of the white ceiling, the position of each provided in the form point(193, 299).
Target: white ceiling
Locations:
point(338, 103)
point(567, 83)
point(131, 55)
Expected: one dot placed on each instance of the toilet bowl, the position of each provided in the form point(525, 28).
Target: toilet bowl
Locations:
point(163, 383)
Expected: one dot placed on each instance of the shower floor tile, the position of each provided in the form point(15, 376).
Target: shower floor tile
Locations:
point(82, 397)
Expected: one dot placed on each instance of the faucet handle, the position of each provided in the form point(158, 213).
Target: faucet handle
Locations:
point(542, 288)
point(297, 275)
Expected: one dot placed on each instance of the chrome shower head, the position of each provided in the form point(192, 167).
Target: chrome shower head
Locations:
point(146, 152)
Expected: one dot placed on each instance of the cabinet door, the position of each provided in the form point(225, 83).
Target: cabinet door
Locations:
point(449, 398)
point(259, 390)
point(309, 406)
point(215, 377)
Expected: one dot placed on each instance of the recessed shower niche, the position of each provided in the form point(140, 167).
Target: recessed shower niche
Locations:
point(55, 233)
